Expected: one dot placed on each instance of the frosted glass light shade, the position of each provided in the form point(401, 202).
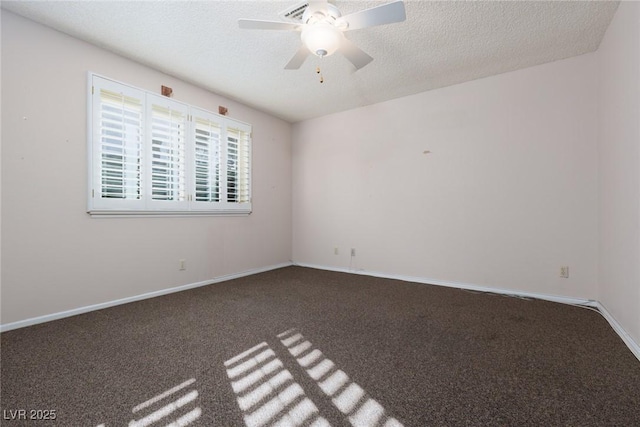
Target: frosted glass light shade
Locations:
point(322, 39)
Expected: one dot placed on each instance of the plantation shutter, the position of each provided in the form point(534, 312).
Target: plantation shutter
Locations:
point(167, 129)
point(151, 155)
point(207, 134)
point(238, 164)
point(118, 147)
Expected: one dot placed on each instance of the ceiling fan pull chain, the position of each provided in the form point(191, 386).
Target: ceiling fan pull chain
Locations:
point(319, 72)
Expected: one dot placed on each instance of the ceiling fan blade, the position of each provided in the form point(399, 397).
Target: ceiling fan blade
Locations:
point(353, 53)
point(379, 15)
point(298, 59)
point(255, 24)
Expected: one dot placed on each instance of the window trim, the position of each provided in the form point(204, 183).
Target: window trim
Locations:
point(146, 206)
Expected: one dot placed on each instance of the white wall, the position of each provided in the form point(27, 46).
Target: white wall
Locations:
point(619, 166)
point(506, 196)
point(55, 257)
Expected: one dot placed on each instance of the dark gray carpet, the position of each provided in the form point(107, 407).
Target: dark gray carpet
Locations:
point(368, 351)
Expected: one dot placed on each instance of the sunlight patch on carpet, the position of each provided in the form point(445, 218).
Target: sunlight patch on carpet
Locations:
point(347, 396)
point(174, 407)
point(267, 393)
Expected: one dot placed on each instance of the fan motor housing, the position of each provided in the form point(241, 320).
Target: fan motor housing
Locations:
point(329, 14)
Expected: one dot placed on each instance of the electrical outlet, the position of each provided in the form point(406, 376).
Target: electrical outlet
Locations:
point(335, 250)
point(353, 251)
point(564, 272)
point(182, 264)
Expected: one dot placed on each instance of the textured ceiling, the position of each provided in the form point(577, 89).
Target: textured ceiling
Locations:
point(440, 44)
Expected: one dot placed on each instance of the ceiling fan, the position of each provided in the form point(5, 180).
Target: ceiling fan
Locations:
point(322, 28)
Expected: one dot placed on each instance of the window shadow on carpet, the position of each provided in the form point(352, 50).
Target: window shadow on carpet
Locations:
point(268, 394)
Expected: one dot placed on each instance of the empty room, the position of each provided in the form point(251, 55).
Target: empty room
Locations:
point(320, 213)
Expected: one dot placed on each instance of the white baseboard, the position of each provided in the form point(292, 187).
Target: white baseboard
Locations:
point(633, 346)
point(628, 340)
point(86, 309)
point(458, 285)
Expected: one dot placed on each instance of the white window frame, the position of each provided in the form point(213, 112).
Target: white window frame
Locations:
point(182, 139)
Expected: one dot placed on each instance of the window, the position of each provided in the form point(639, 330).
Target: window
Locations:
point(149, 154)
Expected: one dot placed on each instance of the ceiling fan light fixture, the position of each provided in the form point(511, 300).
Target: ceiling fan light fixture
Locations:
point(322, 39)
point(322, 26)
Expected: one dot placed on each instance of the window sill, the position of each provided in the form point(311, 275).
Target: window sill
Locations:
point(163, 214)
